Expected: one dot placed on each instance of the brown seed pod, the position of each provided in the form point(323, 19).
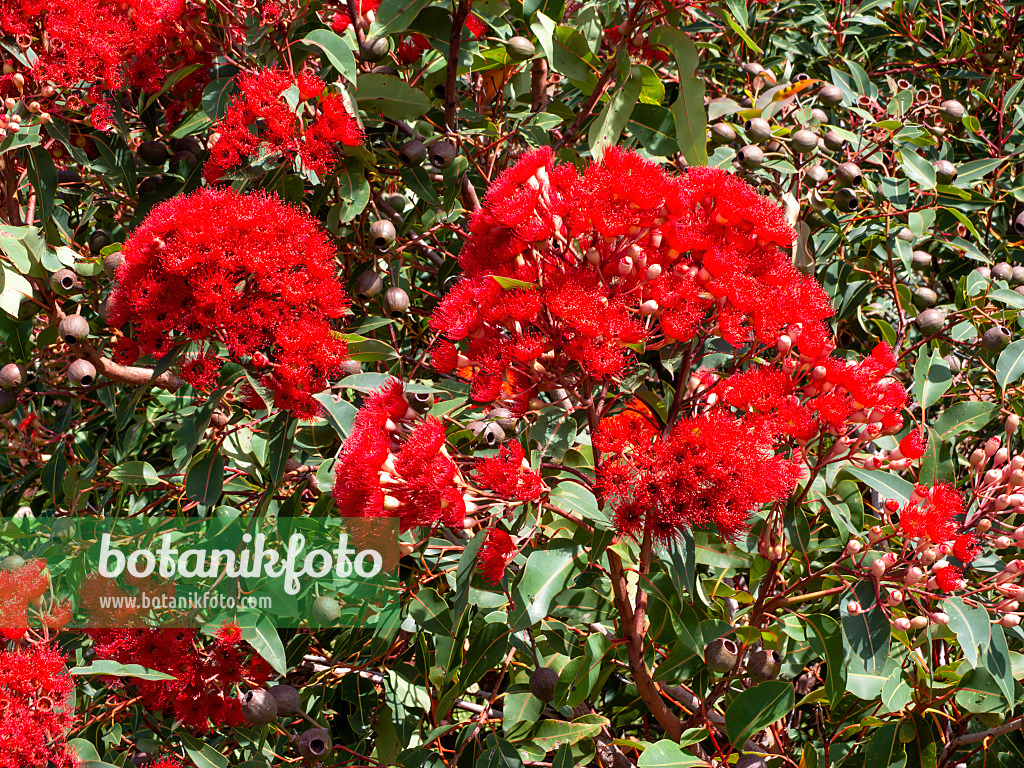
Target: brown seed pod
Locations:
point(750, 156)
point(413, 152)
point(442, 153)
point(396, 302)
point(314, 743)
point(382, 233)
point(258, 706)
point(64, 280)
point(764, 664)
point(721, 654)
point(12, 377)
point(849, 175)
point(73, 329)
point(542, 683)
point(288, 700)
point(82, 373)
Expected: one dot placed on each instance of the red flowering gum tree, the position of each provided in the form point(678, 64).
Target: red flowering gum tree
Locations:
point(235, 277)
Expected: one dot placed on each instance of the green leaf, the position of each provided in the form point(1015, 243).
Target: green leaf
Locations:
point(756, 708)
point(886, 483)
point(688, 108)
point(340, 414)
point(979, 692)
point(279, 448)
point(135, 473)
point(353, 191)
point(43, 175)
point(511, 284)
point(1010, 365)
point(217, 96)
point(337, 50)
point(826, 639)
point(203, 755)
point(917, 168)
point(204, 479)
point(885, 749)
point(971, 627)
point(997, 661)
point(654, 127)
point(114, 669)
point(391, 97)
point(976, 170)
point(666, 754)
point(569, 54)
point(395, 16)
point(548, 572)
point(866, 635)
point(260, 633)
point(610, 123)
point(486, 652)
point(563, 757)
point(967, 416)
point(551, 734)
point(932, 377)
point(499, 754)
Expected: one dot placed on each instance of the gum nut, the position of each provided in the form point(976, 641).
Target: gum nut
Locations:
point(752, 68)
point(368, 285)
point(442, 153)
point(723, 133)
point(833, 141)
point(920, 261)
point(764, 664)
point(111, 262)
point(951, 111)
point(804, 141)
point(413, 152)
point(374, 49)
point(1002, 271)
point(906, 235)
point(288, 700)
point(847, 200)
point(520, 48)
point(945, 172)
point(153, 152)
point(924, 297)
point(73, 329)
point(543, 681)
point(100, 239)
point(1018, 223)
point(314, 743)
point(931, 321)
point(996, 339)
point(382, 234)
point(849, 175)
point(815, 175)
point(64, 280)
point(819, 115)
point(324, 612)
point(12, 377)
point(954, 363)
point(757, 129)
point(492, 434)
point(1017, 276)
point(82, 373)
point(258, 707)
point(8, 402)
point(750, 156)
point(829, 95)
point(396, 302)
point(721, 654)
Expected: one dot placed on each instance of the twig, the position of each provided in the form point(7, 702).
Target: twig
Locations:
point(454, 43)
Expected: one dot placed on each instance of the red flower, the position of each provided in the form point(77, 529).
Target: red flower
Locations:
point(914, 445)
point(246, 270)
point(949, 578)
point(411, 48)
point(966, 548)
point(387, 468)
point(201, 371)
point(260, 104)
point(228, 633)
point(711, 470)
point(126, 351)
point(509, 475)
point(475, 26)
point(497, 551)
point(621, 254)
point(35, 717)
point(933, 517)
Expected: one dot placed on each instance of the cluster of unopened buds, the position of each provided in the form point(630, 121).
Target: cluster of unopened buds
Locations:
point(997, 479)
point(11, 119)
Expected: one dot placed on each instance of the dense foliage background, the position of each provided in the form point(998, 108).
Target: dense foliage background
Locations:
point(200, 356)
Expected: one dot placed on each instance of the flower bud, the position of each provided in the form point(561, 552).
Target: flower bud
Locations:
point(918, 622)
point(784, 344)
point(939, 618)
point(878, 568)
point(853, 547)
point(1011, 424)
point(895, 597)
point(874, 534)
point(853, 608)
point(984, 524)
point(901, 624)
point(649, 307)
point(1001, 542)
point(991, 446)
point(914, 575)
point(1010, 620)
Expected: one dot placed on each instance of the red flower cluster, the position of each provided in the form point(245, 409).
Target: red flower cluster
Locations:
point(140, 43)
point(932, 518)
point(494, 556)
point(201, 693)
point(390, 468)
point(620, 255)
point(827, 393)
point(949, 578)
point(241, 274)
point(509, 474)
point(36, 709)
point(259, 124)
point(712, 469)
point(18, 588)
point(342, 21)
